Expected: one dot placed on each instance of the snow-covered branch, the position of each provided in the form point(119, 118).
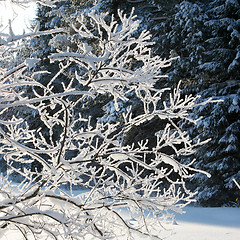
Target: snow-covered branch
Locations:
point(8, 39)
point(77, 176)
point(236, 183)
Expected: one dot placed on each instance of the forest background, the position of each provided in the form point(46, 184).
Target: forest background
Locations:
point(86, 104)
point(205, 35)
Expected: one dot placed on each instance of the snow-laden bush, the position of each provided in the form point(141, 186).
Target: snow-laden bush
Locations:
point(90, 185)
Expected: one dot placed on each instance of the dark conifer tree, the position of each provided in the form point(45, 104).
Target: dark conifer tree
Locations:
point(206, 37)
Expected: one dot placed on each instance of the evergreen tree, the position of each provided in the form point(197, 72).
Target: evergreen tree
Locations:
point(205, 35)
point(220, 157)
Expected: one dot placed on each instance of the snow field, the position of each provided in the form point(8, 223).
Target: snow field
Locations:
point(196, 224)
point(207, 224)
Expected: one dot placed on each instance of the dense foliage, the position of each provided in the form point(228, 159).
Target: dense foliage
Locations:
point(205, 35)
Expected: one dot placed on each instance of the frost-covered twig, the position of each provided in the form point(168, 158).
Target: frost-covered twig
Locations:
point(236, 183)
point(7, 39)
point(77, 175)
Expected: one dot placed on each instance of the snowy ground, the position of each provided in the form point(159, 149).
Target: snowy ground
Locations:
point(206, 224)
point(195, 224)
